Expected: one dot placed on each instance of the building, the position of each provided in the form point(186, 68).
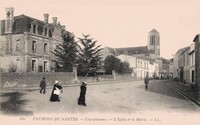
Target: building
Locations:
point(151, 51)
point(27, 43)
point(141, 66)
point(192, 64)
point(184, 65)
point(197, 59)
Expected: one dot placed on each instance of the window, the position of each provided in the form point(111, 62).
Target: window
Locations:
point(45, 48)
point(45, 31)
point(33, 65)
point(34, 28)
point(34, 46)
point(45, 66)
point(17, 45)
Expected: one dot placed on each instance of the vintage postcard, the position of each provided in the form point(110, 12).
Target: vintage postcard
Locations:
point(99, 62)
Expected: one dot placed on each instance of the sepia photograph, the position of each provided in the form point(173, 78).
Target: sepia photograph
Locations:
point(100, 62)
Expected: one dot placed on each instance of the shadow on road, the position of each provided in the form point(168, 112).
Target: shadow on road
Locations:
point(161, 87)
point(14, 104)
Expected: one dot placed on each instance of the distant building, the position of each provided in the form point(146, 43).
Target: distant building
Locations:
point(27, 43)
point(141, 66)
point(184, 65)
point(151, 51)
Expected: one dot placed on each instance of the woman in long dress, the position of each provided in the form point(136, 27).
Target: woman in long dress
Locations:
point(57, 89)
point(81, 99)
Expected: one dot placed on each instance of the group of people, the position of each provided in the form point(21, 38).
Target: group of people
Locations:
point(57, 89)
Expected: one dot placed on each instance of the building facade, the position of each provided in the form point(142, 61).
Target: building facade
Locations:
point(184, 65)
point(27, 43)
point(197, 59)
point(141, 66)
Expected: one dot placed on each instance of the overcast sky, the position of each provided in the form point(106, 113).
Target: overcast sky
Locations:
point(120, 23)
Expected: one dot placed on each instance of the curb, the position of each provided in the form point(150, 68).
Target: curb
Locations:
point(184, 94)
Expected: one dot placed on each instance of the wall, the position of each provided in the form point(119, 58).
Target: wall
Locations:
point(33, 79)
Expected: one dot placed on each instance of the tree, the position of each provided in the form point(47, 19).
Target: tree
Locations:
point(111, 63)
point(89, 56)
point(124, 68)
point(66, 53)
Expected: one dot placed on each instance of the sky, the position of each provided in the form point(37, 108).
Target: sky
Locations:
point(119, 23)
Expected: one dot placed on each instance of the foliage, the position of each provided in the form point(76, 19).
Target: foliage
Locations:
point(66, 53)
point(113, 63)
point(89, 56)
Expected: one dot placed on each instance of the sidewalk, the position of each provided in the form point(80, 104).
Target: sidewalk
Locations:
point(193, 95)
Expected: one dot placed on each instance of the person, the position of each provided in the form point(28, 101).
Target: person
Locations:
point(81, 99)
point(146, 82)
point(43, 85)
point(57, 89)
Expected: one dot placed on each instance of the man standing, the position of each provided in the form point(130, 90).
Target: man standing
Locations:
point(81, 99)
point(43, 85)
point(146, 82)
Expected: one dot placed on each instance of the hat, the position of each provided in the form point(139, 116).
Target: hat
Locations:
point(56, 81)
point(84, 83)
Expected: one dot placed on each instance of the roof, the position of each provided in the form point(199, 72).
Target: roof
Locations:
point(132, 50)
point(111, 50)
point(196, 37)
point(22, 23)
point(165, 61)
point(154, 30)
point(182, 49)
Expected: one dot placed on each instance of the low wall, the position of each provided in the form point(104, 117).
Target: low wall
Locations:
point(64, 78)
point(33, 79)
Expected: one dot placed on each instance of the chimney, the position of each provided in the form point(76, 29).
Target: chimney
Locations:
point(9, 12)
point(46, 17)
point(54, 20)
point(9, 19)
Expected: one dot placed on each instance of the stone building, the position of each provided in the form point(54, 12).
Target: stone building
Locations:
point(27, 43)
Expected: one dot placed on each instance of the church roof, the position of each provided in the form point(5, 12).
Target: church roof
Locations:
point(154, 30)
point(132, 50)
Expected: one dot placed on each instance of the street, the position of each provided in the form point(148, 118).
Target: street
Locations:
point(122, 97)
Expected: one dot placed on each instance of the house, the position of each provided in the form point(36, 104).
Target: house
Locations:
point(27, 43)
point(197, 59)
point(184, 65)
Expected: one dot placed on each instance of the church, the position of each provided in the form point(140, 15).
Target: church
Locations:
point(143, 59)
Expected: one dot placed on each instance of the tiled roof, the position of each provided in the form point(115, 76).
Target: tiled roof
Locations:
point(22, 23)
point(132, 50)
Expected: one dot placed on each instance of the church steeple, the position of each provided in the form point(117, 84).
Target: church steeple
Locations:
point(153, 44)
